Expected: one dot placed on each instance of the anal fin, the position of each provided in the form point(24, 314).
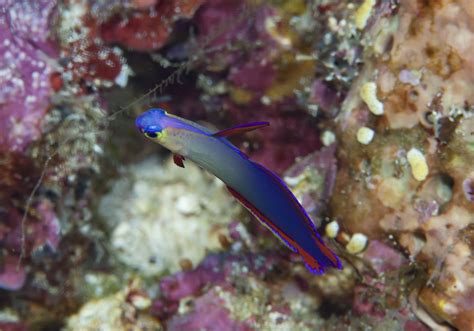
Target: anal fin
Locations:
point(262, 218)
point(311, 262)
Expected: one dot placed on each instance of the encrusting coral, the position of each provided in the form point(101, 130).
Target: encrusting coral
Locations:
point(409, 180)
point(161, 214)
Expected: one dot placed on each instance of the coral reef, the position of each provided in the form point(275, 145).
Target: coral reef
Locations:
point(27, 64)
point(142, 227)
point(146, 27)
point(410, 178)
point(125, 310)
point(372, 123)
point(235, 292)
point(312, 180)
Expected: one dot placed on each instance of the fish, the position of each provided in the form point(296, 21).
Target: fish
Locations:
point(257, 188)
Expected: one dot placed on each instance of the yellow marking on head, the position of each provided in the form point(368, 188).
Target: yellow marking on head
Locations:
point(156, 135)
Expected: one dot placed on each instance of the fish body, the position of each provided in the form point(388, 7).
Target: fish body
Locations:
point(262, 192)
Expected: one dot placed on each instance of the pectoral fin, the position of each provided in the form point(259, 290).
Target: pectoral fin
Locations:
point(240, 129)
point(178, 160)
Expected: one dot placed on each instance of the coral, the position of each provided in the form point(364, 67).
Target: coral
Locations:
point(368, 93)
point(41, 102)
point(11, 277)
point(142, 227)
point(149, 28)
point(371, 111)
point(380, 301)
point(408, 185)
point(26, 67)
point(9, 321)
point(215, 296)
point(208, 314)
point(383, 258)
point(121, 311)
point(365, 135)
point(312, 180)
point(285, 75)
point(275, 146)
point(85, 57)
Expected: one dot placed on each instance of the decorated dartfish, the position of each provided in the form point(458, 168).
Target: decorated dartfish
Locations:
point(261, 191)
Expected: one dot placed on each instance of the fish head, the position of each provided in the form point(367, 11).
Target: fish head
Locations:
point(163, 128)
point(152, 124)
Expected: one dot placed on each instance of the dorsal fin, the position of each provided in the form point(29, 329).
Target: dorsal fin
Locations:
point(240, 129)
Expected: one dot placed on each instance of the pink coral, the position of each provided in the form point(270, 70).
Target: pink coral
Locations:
point(280, 143)
point(209, 314)
point(383, 258)
point(215, 270)
point(149, 28)
point(468, 189)
point(13, 326)
point(41, 231)
point(26, 64)
point(85, 58)
point(214, 13)
point(12, 277)
point(325, 96)
point(318, 168)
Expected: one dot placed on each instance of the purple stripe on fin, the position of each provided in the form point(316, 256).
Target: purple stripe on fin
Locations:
point(240, 129)
point(334, 260)
point(310, 261)
point(279, 182)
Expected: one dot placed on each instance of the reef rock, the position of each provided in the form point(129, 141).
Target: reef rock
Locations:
point(162, 214)
point(415, 92)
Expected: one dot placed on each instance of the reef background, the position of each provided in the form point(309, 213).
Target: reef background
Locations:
point(371, 106)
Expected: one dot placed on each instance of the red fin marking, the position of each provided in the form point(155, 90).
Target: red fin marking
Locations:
point(240, 129)
point(260, 217)
point(310, 261)
point(178, 160)
point(334, 260)
point(328, 253)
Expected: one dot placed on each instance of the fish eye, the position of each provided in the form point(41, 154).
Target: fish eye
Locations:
point(151, 134)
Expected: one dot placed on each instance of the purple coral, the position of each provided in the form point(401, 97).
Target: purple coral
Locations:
point(325, 97)
point(25, 70)
point(209, 314)
point(12, 277)
point(12, 326)
point(41, 231)
point(252, 69)
point(215, 270)
point(383, 258)
point(26, 64)
point(291, 133)
point(322, 164)
point(468, 189)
